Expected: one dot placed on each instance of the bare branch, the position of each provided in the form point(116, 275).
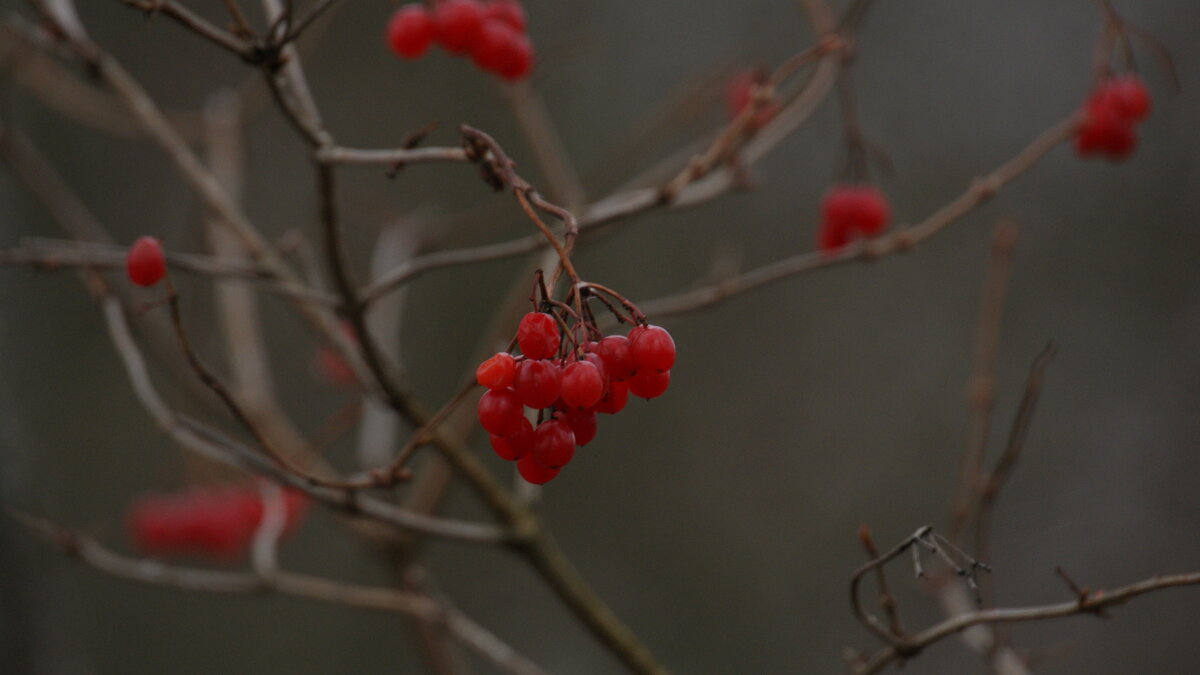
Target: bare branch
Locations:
point(155, 573)
point(1092, 603)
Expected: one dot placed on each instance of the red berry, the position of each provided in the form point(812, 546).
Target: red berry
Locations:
point(410, 31)
point(582, 423)
point(537, 382)
point(1125, 95)
point(217, 522)
point(614, 401)
point(553, 444)
point(146, 263)
point(653, 349)
point(582, 385)
point(491, 47)
point(514, 446)
point(507, 11)
point(533, 471)
point(500, 412)
point(519, 63)
point(537, 335)
point(618, 359)
point(457, 24)
point(1104, 131)
point(650, 384)
point(849, 211)
point(497, 372)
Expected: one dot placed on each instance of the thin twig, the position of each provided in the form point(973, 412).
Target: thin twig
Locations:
point(1092, 603)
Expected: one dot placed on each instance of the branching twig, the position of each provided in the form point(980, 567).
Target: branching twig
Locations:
point(1092, 602)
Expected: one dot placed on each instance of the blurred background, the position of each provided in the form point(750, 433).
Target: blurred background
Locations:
point(719, 520)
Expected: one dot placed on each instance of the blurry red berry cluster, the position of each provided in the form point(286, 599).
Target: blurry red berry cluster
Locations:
point(567, 388)
point(492, 33)
point(849, 212)
point(1110, 116)
point(215, 522)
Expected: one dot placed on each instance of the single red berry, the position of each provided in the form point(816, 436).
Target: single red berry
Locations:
point(537, 335)
point(457, 24)
point(635, 332)
point(533, 471)
point(516, 60)
point(497, 372)
point(832, 236)
point(582, 423)
point(601, 367)
point(501, 50)
point(650, 384)
point(553, 444)
point(615, 350)
point(654, 349)
point(537, 382)
point(614, 401)
point(410, 31)
point(491, 47)
point(508, 11)
point(582, 384)
point(500, 412)
point(514, 446)
point(146, 265)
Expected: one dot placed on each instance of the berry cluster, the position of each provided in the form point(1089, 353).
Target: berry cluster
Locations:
point(491, 33)
point(567, 386)
point(1109, 118)
point(217, 522)
point(145, 263)
point(740, 92)
point(851, 211)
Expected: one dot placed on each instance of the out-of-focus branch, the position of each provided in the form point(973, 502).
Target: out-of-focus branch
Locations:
point(152, 572)
point(901, 239)
point(393, 157)
point(54, 254)
point(217, 447)
point(995, 480)
point(236, 305)
point(198, 25)
point(192, 169)
point(981, 386)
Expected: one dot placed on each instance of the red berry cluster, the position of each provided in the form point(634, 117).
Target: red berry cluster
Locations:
point(145, 263)
point(492, 33)
point(567, 389)
point(217, 522)
point(1109, 118)
point(740, 93)
point(851, 211)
